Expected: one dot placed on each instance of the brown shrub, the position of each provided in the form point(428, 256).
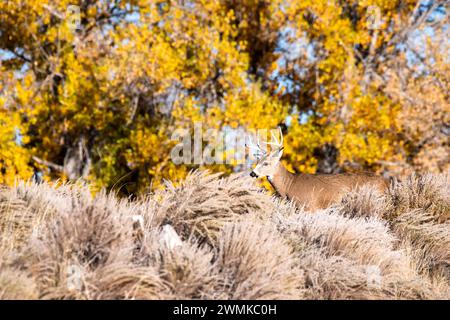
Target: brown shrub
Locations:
point(338, 256)
point(91, 234)
point(202, 204)
point(25, 206)
point(430, 241)
point(428, 192)
point(61, 242)
point(125, 281)
point(254, 262)
point(417, 210)
point(187, 271)
point(365, 201)
point(420, 215)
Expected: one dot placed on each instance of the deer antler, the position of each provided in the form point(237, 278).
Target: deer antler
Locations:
point(278, 143)
point(260, 152)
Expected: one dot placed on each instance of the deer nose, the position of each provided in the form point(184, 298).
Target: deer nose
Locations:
point(253, 175)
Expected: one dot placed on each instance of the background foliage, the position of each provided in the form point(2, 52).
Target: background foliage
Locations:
point(101, 103)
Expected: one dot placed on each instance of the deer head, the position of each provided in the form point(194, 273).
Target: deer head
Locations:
point(267, 162)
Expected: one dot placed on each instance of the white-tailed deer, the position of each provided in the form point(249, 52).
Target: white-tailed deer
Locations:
point(311, 191)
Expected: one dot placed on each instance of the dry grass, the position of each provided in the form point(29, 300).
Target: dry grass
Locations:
point(61, 242)
point(418, 212)
point(254, 262)
point(202, 204)
point(428, 192)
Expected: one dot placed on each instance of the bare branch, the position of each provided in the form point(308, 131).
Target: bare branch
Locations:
point(49, 164)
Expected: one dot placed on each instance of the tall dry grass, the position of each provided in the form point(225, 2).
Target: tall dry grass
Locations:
point(417, 210)
point(235, 242)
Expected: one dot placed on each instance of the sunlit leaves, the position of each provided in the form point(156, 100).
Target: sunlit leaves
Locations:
point(137, 70)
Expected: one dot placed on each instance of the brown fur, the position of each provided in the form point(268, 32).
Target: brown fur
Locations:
point(318, 191)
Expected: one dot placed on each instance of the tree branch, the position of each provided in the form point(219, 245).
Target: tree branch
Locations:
point(49, 164)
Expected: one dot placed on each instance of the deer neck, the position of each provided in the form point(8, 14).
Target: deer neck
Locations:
point(281, 180)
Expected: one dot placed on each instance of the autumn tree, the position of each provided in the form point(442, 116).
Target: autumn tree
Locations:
point(98, 95)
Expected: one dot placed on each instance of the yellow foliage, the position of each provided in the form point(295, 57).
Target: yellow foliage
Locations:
point(134, 71)
point(13, 157)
